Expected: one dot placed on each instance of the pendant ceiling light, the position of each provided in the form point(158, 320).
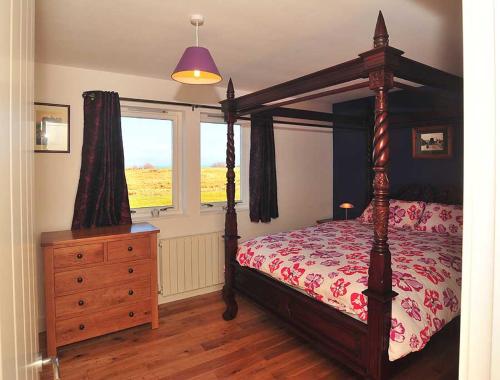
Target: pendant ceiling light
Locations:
point(196, 65)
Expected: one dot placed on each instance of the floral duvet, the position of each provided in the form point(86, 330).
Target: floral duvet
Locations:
point(329, 262)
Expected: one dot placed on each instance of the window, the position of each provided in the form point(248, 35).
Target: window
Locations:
point(213, 141)
point(149, 144)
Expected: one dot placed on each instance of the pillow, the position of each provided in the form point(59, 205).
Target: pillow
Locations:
point(367, 215)
point(442, 219)
point(405, 214)
point(402, 214)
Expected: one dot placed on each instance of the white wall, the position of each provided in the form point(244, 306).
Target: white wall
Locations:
point(18, 298)
point(480, 320)
point(304, 157)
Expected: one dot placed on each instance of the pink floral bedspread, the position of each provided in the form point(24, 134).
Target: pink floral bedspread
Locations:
point(330, 263)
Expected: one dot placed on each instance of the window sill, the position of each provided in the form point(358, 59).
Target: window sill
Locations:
point(219, 209)
point(147, 217)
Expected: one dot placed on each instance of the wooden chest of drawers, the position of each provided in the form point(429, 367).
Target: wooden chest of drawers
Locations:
point(98, 281)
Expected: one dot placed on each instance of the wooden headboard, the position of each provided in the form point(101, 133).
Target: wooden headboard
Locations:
point(451, 194)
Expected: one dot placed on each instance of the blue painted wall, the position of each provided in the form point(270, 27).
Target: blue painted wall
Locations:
point(352, 148)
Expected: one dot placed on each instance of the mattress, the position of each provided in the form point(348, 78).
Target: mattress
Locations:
point(329, 262)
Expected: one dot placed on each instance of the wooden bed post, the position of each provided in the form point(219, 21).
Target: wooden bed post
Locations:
point(379, 290)
point(231, 226)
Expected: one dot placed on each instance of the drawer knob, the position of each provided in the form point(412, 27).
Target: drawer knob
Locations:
point(130, 292)
point(131, 314)
point(130, 248)
point(130, 270)
point(79, 256)
point(81, 327)
point(79, 279)
point(81, 302)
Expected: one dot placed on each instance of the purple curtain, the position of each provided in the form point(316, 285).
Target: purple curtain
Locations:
point(263, 188)
point(102, 196)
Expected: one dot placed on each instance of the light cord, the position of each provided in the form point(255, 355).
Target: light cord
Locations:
point(197, 38)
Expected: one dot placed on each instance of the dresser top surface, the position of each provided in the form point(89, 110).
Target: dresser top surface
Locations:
point(74, 236)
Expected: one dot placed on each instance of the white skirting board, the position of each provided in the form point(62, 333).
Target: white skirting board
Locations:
point(190, 266)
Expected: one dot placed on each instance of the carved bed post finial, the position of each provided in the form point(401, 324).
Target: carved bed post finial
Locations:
point(231, 225)
point(230, 89)
point(381, 37)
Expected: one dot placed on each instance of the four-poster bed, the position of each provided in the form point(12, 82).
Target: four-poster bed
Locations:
point(361, 346)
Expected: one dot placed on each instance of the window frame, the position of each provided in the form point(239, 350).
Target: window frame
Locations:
point(175, 116)
point(244, 159)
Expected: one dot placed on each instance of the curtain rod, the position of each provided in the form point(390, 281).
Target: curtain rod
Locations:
point(192, 105)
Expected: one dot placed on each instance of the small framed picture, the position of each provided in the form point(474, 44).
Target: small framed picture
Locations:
point(52, 123)
point(433, 142)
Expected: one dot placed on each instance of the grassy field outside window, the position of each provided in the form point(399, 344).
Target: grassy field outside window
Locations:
point(213, 141)
point(152, 187)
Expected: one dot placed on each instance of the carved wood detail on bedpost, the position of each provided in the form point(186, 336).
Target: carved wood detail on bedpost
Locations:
point(379, 290)
point(231, 225)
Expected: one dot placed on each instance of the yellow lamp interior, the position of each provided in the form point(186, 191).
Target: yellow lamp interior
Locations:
point(196, 77)
point(346, 205)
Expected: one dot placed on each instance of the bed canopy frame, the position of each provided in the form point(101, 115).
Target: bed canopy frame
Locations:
point(362, 347)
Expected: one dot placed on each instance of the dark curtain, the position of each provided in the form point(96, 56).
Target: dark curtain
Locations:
point(102, 196)
point(263, 188)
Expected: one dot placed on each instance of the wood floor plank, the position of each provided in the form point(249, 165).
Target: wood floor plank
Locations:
point(238, 366)
point(194, 342)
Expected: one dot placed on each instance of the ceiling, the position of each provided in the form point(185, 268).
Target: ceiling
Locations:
point(256, 42)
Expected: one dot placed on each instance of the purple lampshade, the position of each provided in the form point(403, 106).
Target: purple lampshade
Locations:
point(196, 66)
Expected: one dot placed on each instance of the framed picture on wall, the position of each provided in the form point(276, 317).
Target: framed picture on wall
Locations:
point(52, 123)
point(432, 142)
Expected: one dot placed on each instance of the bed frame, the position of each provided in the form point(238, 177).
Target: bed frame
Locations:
point(362, 347)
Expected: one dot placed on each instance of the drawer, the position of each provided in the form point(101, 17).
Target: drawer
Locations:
point(131, 249)
point(99, 323)
point(83, 279)
point(87, 302)
point(78, 255)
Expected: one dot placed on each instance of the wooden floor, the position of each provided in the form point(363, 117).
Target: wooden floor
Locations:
point(193, 342)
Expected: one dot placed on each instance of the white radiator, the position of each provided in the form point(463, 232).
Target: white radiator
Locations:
point(191, 265)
